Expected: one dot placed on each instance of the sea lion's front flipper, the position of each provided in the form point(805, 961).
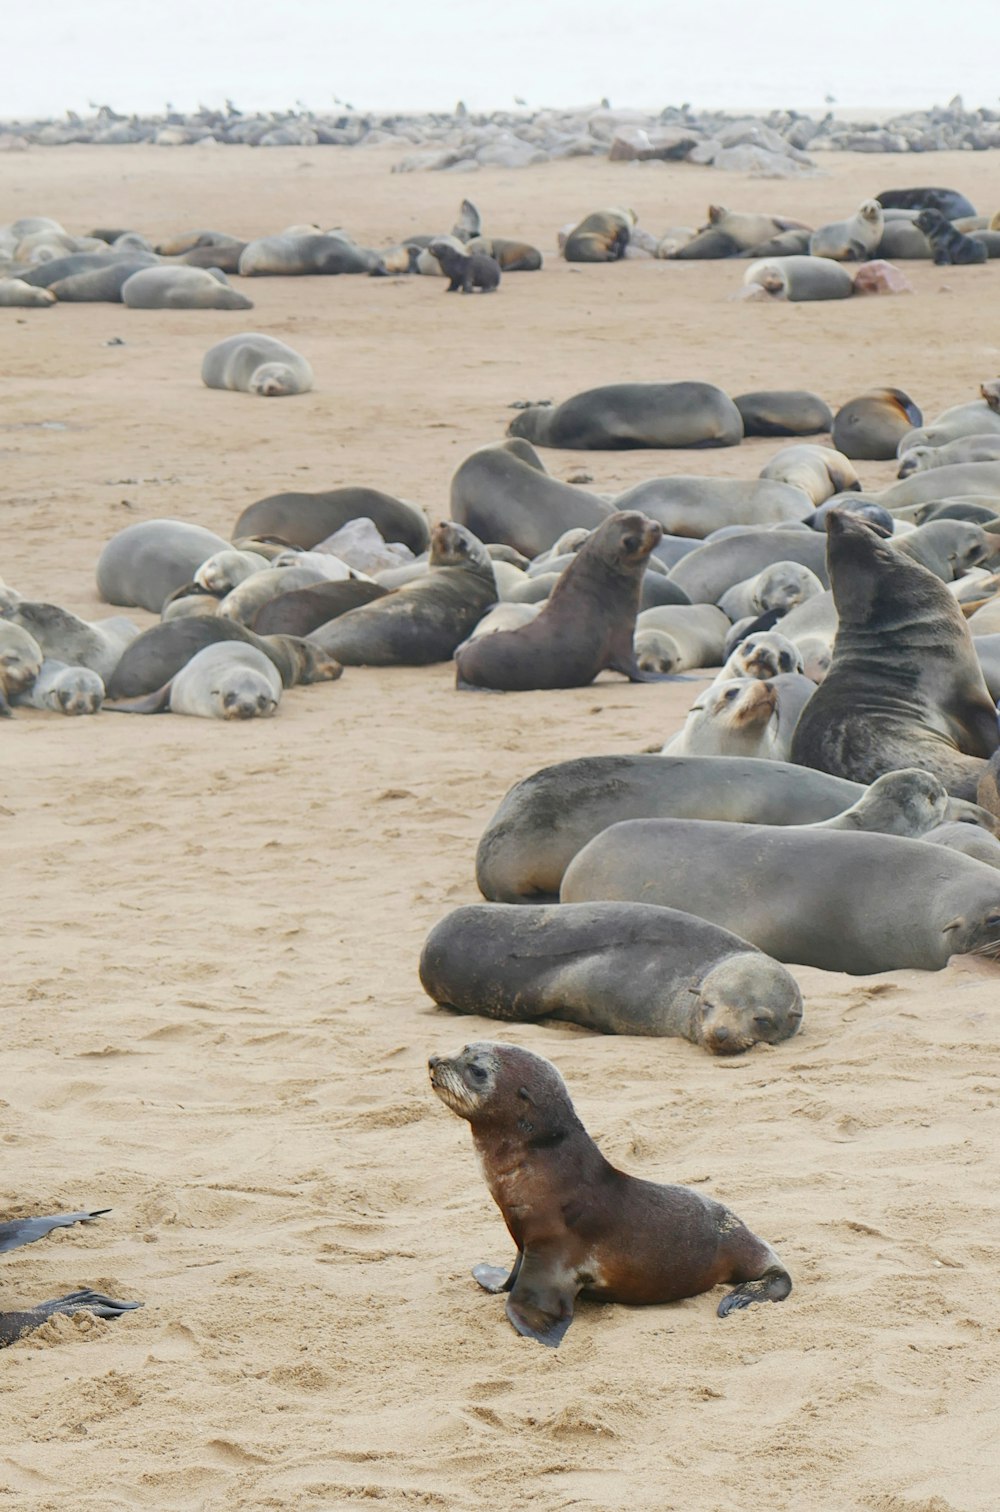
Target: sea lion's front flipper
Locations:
point(146, 703)
point(27, 1230)
point(495, 1278)
point(540, 1305)
point(773, 1286)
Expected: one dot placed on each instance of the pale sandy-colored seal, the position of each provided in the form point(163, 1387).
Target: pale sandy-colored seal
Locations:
point(747, 229)
point(853, 240)
point(145, 563)
point(64, 690)
point(254, 364)
point(676, 637)
point(580, 1225)
point(511, 256)
point(16, 294)
point(66, 638)
point(749, 717)
point(695, 506)
point(617, 968)
point(423, 621)
point(834, 899)
point(955, 480)
point(181, 288)
point(706, 574)
point(779, 587)
point(968, 840)
point(984, 447)
point(800, 279)
point(762, 655)
point(627, 415)
point(586, 625)
point(228, 680)
point(905, 687)
point(818, 471)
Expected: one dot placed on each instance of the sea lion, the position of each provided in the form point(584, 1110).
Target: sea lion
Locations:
point(426, 619)
point(819, 471)
point(64, 690)
point(902, 240)
point(601, 237)
point(580, 1225)
point(16, 294)
point(187, 241)
point(505, 616)
point(156, 656)
point(948, 201)
point(587, 623)
point(224, 570)
point(64, 637)
point(545, 819)
point(748, 229)
point(102, 284)
point(780, 587)
point(503, 493)
point(181, 289)
point(781, 412)
point(984, 447)
point(466, 270)
point(954, 480)
point(696, 507)
point(746, 717)
point(705, 574)
point(853, 240)
point(303, 610)
point(905, 687)
point(834, 899)
point(306, 519)
point(800, 279)
point(973, 419)
point(20, 656)
point(292, 253)
point(254, 364)
point(145, 563)
point(228, 680)
point(761, 655)
point(870, 427)
point(948, 548)
point(676, 637)
point(617, 968)
point(224, 255)
point(906, 802)
point(14, 1325)
point(785, 244)
point(511, 256)
point(245, 601)
point(949, 245)
point(626, 415)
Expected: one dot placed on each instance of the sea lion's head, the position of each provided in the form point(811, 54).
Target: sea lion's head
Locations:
point(244, 693)
point(20, 659)
point(783, 586)
point(744, 704)
point(916, 459)
point(223, 571)
point(312, 664)
point(623, 541)
point(976, 931)
point(871, 211)
point(907, 802)
point(930, 221)
point(77, 691)
point(656, 651)
point(746, 999)
point(273, 380)
point(766, 655)
point(452, 545)
point(503, 1086)
point(991, 393)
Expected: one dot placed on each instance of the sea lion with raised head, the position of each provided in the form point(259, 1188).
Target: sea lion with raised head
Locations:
point(580, 1225)
point(621, 416)
point(254, 364)
point(617, 968)
point(834, 899)
point(586, 626)
point(853, 240)
point(747, 717)
point(905, 687)
point(466, 270)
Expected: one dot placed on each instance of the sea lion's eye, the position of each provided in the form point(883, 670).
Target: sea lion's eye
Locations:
point(478, 1073)
point(731, 694)
point(631, 543)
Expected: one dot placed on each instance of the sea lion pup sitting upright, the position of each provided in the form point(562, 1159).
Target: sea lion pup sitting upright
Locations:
point(14, 1325)
point(905, 687)
point(620, 416)
point(423, 621)
point(948, 244)
point(619, 968)
point(586, 626)
point(466, 270)
point(581, 1225)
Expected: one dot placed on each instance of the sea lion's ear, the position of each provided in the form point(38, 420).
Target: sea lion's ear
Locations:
point(538, 1306)
point(523, 1092)
point(955, 924)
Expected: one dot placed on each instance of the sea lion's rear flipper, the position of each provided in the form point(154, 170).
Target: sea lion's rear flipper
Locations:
point(496, 1278)
point(27, 1230)
point(773, 1286)
point(146, 703)
point(14, 1325)
point(540, 1305)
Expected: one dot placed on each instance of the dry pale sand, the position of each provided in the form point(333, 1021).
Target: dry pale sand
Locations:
point(212, 1019)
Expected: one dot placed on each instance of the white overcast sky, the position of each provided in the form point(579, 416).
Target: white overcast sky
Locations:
point(426, 54)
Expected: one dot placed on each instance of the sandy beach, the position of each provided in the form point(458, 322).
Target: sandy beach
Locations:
point(212, 1018)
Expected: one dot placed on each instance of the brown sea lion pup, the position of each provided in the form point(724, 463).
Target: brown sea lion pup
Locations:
point(20, 1231)
point(423, 621)
point(870, 427)
point(617, 968)
point(905, 687)
point(580, 1225)
point(156, 656)
point(835, 899)
point(586, 626)
point(466, 270)
point(306, 519)
point(601, 237)
point(621, 416)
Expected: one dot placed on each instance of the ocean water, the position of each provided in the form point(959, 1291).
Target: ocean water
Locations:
point(427, 54)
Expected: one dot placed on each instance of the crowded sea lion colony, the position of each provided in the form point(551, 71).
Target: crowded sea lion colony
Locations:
point(830, 801)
